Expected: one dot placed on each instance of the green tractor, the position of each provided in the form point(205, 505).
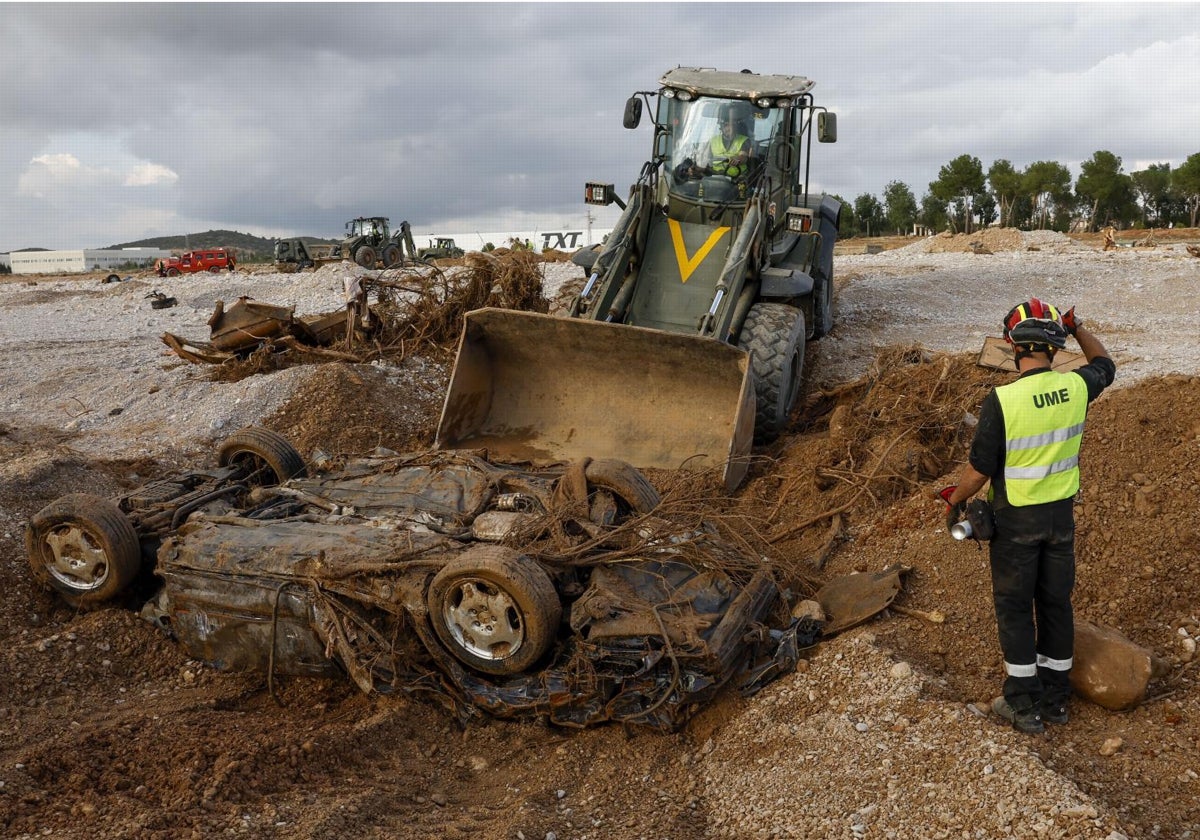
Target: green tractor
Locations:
point(687, 341)
point(443, 247)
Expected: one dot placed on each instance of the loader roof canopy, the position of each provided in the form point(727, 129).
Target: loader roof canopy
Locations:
point(724, 83)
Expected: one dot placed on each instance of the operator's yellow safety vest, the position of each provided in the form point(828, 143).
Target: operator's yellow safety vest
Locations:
point(1043, 428)
point(722, 153)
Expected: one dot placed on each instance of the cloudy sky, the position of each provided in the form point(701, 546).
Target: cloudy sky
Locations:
point(120, 121)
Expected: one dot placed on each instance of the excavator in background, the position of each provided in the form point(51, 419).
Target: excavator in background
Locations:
point(368, 241)
point(686, 344)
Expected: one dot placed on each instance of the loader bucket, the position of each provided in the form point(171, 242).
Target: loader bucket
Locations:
point(530, 387)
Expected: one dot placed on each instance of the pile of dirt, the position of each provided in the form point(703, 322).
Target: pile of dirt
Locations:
point(344, 409)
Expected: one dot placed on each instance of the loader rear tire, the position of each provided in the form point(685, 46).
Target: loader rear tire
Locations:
point(773, 335)
point(366, 256)
point(391, 256)
point(823, 308)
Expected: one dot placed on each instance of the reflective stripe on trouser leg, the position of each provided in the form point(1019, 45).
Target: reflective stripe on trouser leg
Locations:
point(1047, 662)
point(1020, 670)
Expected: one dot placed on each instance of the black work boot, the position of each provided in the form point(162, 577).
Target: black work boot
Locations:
point(1054, 711)
point(1028, 721)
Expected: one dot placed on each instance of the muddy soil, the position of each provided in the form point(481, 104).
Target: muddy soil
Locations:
point(107, 729)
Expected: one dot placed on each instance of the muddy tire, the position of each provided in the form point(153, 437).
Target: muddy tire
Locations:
point(495, 610)
point(625, 482)
point(366, 256)
point(391, 256)
point(773, 334)
point(265, 455)
point(84, 548)
point(214, 269)
point(172, 272)
point(113, 278)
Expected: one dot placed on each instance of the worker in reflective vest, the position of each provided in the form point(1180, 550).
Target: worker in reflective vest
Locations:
point(1027, 445)
point(728, 152)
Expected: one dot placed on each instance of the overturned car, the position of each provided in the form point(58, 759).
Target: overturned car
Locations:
point(556, 592)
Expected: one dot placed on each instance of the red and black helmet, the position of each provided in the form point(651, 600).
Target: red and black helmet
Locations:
point(1035, 324)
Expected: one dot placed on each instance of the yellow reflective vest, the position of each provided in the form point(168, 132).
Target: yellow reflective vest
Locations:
point(722, 153)
point(1043, 428)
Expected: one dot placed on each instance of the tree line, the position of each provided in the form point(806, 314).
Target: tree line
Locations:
point(965, 198)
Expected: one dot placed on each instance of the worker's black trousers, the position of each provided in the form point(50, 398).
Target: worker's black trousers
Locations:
point(1033, 573)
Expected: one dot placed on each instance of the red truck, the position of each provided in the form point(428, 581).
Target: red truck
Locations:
point(211, 260)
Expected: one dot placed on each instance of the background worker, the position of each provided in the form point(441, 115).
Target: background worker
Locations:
point(1027, 444)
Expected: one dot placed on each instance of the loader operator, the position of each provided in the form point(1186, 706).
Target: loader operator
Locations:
point(1027, 443)
point(727, 153)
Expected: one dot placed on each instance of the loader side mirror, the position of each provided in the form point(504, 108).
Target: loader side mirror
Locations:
point(826, 127)
point(633, 112)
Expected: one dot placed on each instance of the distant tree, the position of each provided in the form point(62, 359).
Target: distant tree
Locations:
point(1186, 180)
point(985, 208)
point(958, 182)
point(1006, 187)
point(933, 212)
point(1048, 184)
point(1105, 192)
point(1153, 187)
point(869, 211)
point(900, 206)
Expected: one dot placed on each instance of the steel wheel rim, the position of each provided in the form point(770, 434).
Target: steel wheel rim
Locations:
point(79, 562)
point(483, 619)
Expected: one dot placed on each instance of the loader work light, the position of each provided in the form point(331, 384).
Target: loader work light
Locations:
point(595, 193)
point(799, 219)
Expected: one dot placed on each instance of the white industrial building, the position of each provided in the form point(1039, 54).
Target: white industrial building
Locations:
point(69, 262)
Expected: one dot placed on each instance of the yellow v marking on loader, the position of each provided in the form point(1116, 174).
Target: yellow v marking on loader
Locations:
point(689, 264)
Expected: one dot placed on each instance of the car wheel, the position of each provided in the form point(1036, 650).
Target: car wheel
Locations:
point(773, 335)
point(214, 269)
point(495, 610)
point(267, 457)
point(172, 272)
point(366, 256)
point(84, 548)
point(623, 481)
point(113, 278)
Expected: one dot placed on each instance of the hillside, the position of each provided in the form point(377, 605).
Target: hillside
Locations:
point(247, 246)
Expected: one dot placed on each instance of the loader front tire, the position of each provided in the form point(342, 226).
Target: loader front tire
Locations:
point(773, 335)
point(366, 256)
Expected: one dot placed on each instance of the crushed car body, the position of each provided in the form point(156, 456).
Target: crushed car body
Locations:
point(558, 592)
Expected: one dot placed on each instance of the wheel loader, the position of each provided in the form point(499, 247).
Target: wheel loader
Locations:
point(368, 242)
point(686, 344)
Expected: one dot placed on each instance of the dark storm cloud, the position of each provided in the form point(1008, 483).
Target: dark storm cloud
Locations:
point(291, 118)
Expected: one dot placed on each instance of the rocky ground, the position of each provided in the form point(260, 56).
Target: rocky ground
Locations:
point(108, 729)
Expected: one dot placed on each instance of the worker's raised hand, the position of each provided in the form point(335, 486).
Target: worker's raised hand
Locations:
point(1070, 321)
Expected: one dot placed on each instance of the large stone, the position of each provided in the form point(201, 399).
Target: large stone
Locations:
point(1109, 669)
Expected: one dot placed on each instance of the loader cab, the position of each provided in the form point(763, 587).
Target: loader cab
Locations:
point(688, 132)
